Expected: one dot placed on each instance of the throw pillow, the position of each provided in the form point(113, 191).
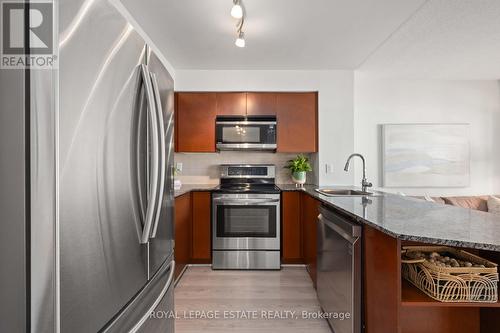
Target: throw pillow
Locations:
point(494, 205)
point(477, 203)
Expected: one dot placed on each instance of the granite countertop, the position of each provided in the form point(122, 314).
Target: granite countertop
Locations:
point(186, 188)
point(405, 218)
point(418, 220)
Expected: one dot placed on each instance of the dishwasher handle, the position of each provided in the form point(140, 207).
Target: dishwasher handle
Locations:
point(349, 231)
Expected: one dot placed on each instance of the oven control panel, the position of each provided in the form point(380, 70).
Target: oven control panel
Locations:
point(248, 171)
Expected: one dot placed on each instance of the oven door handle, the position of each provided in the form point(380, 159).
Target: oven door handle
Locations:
point(221, 201)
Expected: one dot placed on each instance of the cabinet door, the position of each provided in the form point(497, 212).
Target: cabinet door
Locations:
point(310, 212)
point(182, 251)
point(201, 252)
point(261, 103)
point(292, 233)
point(297, 122)
point(195, 117)
point(231, 104)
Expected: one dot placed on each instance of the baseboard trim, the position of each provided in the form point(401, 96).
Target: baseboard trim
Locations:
point(293, 265)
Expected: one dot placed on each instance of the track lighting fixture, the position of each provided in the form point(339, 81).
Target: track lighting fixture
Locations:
point(238, 12)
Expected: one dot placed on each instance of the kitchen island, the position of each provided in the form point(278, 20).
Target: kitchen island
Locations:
point(412, 219)
point(391, 222)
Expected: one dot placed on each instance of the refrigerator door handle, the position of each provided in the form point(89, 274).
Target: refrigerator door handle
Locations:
point(153, 186)
point(162, 154)
point(140, 176)
point(157, 301)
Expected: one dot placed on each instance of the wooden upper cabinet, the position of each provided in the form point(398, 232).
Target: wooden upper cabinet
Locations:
point(195, 122)
point(231, 104)
point(261, 103)
point(296, 114)
point(297, 122)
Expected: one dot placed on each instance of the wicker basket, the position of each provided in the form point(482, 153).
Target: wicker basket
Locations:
point(456, 284)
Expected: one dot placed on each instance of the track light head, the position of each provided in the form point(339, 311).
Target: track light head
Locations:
point(240, 41)
point(237, 10)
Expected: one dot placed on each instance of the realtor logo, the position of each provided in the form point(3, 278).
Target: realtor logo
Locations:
point(27, 34)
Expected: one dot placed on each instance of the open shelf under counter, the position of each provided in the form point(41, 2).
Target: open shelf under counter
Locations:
point(411, 296)
point(393, 305)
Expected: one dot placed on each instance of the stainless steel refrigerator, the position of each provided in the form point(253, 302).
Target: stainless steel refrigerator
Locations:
point(87, 182)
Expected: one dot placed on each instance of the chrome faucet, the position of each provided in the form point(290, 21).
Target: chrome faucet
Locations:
point(364, 182)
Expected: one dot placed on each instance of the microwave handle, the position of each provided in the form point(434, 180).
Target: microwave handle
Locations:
point(245, 123)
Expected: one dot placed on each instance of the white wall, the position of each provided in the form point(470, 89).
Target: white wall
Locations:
point(378, 101)
point(336, 137)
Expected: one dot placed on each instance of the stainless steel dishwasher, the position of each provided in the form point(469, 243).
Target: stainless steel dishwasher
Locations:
point(339, 271)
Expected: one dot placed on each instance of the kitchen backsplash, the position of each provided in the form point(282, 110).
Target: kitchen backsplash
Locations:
point(203, 168)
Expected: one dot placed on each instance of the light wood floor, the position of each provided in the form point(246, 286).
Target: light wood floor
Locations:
point(202, 289)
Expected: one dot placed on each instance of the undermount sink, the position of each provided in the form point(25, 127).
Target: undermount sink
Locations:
point(341, 193)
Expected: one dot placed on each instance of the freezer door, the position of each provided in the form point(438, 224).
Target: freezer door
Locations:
point(161, 243)
point(103, 264)
point(152, 310)
point(162, 318)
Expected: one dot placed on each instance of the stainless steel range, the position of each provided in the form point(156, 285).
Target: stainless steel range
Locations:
point(246, 218)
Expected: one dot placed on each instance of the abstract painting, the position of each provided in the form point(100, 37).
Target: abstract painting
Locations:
point(426, 155)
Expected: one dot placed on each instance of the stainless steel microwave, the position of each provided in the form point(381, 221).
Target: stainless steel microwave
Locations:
point(245, 133)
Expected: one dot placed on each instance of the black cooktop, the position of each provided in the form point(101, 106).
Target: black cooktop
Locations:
point(247, 188)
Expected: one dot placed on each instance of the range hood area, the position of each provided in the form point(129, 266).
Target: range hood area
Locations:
point(256, 133)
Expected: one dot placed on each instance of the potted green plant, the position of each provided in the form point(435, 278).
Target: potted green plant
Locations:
point(299, 166)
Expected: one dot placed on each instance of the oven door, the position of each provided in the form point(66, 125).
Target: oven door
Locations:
point(246, 222)
point(237, 135)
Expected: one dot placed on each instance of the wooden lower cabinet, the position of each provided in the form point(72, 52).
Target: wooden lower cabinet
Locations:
point(291, 228)
point(382, 281)
point(201, 244)
point(309, 214)
point(441, 320)
point(192, 230)
point(299, 227)
point(182, 251)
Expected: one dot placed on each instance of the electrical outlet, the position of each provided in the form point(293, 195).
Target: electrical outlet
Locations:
point(178, 166)
point(328, 168)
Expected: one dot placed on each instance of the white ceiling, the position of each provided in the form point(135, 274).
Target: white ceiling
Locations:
point(445, 39)
point(280, 34)
point(450, 39)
